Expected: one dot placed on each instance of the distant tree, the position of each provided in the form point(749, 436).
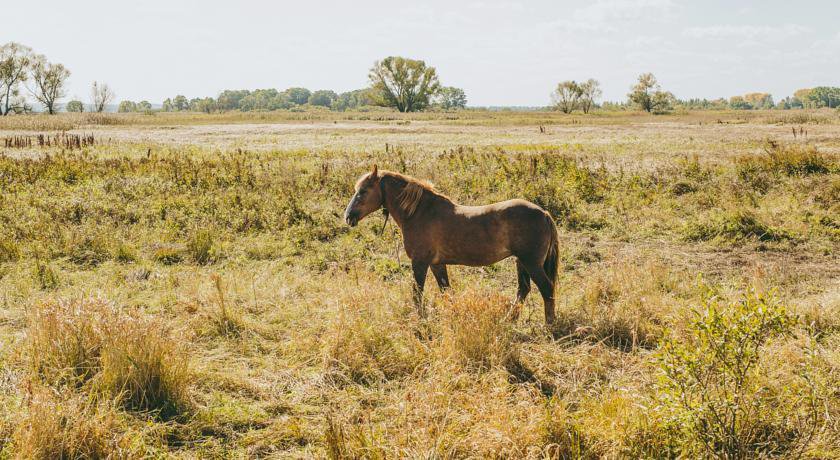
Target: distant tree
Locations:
point(405, 84)
point(167, 105)
point(450, 97)
point(48, 81)
point(647, 95)
point(206, 105)
point(662, 102)
point(642, 92)
point(590, 92)
point(101, 95)
point(739, 103)
point(144, 106)
point(759, 100)
point(127, 106)
point(298, 96)
point(824, 96)
point(323, 98)
point(15, 61)
point(180, 103)
point(804, 96)
point(75, 106)
point(230, 99)
point(352, 100)
point(566, 96)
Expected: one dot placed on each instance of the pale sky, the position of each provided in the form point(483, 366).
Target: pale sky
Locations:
point(505, 52)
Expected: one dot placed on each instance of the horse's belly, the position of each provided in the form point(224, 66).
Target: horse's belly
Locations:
point(472, 258)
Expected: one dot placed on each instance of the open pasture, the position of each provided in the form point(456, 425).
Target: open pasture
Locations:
point(185, 286)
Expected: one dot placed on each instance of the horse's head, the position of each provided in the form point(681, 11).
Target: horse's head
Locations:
point(368, 198)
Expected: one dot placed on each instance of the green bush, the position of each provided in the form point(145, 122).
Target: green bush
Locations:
point(712, 384)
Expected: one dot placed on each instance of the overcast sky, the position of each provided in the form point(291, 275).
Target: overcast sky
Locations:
point(504, 52)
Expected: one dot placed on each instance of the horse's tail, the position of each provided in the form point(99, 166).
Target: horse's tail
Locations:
point(552, 258)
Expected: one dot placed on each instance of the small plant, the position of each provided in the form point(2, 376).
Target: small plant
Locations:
point(125, 253)
point(9, 251)
point(200, 247)
point(45, 275)
point(712, 384)
point(227, 321)
point(168, 255)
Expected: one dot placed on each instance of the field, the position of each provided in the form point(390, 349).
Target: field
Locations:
point(184, 286)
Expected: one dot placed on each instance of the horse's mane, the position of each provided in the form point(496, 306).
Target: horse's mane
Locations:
point(409, 197)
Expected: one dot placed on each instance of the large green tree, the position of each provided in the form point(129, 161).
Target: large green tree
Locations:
point(566, 96)
point(405, 84)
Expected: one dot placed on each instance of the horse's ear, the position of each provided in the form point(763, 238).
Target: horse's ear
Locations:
point(375, 171)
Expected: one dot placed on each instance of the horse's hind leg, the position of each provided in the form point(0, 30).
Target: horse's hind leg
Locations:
point(524, 282)
point(420, 270)
point(546, 287)
point(441, 275)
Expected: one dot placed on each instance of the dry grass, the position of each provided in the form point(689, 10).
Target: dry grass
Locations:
point(244, 320)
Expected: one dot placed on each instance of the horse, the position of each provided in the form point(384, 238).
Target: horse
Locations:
point(438, 232)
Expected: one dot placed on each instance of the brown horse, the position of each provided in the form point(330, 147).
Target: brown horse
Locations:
point(438, 232)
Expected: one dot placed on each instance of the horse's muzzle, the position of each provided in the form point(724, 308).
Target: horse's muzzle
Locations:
point(352, 218)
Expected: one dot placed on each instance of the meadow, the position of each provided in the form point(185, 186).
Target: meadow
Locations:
point(184, 286)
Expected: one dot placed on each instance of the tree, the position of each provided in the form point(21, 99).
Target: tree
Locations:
point(642, 92)
point(566, 96)
point(662, 102)
point(206, 105)
point(127, 106)
point(75, 106)
point(759, 100)
point(144, 106)
point(167, 105)
point(180, 103)
point(298, 96)
point(590, 92)
point(323, 98)
point(647, 95)
point(824, 96)
point(230, 99)
point(15, 60)
point(48, 80)
point(451, 97)
point(101, 95)
point(739, 103)
point(406, 84)
point(803, 95)
point(352, 100)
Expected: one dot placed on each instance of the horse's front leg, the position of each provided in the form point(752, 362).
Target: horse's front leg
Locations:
point(441, 276)
point(420, 269)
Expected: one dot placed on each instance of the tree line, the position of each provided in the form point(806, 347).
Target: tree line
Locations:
point(407, 85)
point(404, 84)
point(647, 95)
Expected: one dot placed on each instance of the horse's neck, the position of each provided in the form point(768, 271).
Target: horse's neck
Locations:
point(393, 188)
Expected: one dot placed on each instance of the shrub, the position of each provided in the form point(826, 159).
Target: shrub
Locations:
point(735, 225)
point(45, 275)
point(9, 251)
point(89, 342)
point(168, 255)
point(88, 251)
point(125, 253)
point(789, 160)
point(200, 247)
point(711, 382)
